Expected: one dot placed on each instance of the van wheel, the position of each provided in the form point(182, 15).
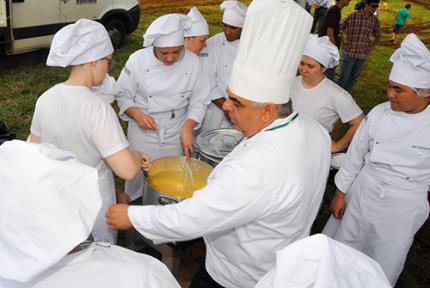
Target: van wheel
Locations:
point(116, 31)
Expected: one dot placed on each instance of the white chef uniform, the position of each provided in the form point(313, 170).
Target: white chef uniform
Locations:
point(220, 57)
point(170, 94)
point(265, 194)
point(386, 173)
point(321, 262)
point(199, 26)
point(60, 195)
point(80, 119)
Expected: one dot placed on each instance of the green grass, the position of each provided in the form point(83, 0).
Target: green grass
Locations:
point(23, 78)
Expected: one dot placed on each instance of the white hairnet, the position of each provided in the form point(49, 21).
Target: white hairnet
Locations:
point(199, 26)
point(322, 50)
point(167, 31)
point(234, 13)
point(411, 63)
point(48, 205)
point(79, 43)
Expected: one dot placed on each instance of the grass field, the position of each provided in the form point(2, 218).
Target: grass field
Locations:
point(23, 78)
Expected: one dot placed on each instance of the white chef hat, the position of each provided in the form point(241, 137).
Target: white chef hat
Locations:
point(322, 50)
point(321, 262)
point(167, 31)
point(271, 46)
point(234, 13)
point(48, 205)
point(199, 26)
point(411, 63)
point(79, 43)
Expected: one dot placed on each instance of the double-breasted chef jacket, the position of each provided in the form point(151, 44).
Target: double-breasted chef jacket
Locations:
point(386, 176)
point(170, 94)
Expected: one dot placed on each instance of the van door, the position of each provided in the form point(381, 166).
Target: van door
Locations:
point(73, 10)
point(33, 23)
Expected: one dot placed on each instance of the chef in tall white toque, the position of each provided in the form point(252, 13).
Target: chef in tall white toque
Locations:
point(266, 193)
point(381, 197)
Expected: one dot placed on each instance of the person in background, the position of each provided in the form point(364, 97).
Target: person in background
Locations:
point(321, 7)
point(197, 34)
point(402, 17)
point(163, 94)
point(222, 49)
point(360, 5)
point(330, 26)
point(50, 202)
point(320, 98)
point(381, 197)
point(358, 27)
point(266, 193)
point(319, 261)
point(77, 116)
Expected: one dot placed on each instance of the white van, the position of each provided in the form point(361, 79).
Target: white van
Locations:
point(27, 25)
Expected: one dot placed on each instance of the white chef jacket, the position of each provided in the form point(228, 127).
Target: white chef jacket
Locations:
point(221, 54)
point(263, 196)
point(74, 119)
point(386, 175)
point(102, 266)
point(168, 93)
point(325, 103)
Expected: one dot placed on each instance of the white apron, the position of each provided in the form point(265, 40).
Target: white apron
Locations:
point(387, 202)
point(169, 119)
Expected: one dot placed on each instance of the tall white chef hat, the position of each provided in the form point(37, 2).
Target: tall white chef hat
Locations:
point(199, 26)
point(234, 13)
point(271, 46)
point(167, 31)
point(79, 43)
point(411, 63)
point(322, 50)
point(320, 262)
point(48, 205)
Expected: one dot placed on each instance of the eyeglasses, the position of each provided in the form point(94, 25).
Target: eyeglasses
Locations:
point(375, 5)
point(111, 63)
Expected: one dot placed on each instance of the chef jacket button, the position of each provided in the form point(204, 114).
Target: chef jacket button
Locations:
point(377, 142)
point(150, 96)
point(407, 178)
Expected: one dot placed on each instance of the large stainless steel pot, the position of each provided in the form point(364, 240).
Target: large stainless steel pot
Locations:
point(166, 180)
point(212, 146)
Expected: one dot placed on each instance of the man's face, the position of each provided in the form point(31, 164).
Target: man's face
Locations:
point(371, 8)
point(196, 43)
point(231, 32)
point(244, 114)
point(168, 55)
point(405, 99)
point(310, 69)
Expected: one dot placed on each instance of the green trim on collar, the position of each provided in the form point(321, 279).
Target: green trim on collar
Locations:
point(283, 125)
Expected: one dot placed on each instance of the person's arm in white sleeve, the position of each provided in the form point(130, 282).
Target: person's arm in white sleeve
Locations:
point(199, 100)
point(128, 84)
point(351, 166)
point(230, 200)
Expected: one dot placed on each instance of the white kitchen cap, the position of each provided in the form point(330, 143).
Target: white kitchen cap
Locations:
point(79, 43)
point(234, 13)
point(271, 46)
point(167, 31)
point(322, 50)
point(321, 262)
point(411, 63)
point(48, 205)
point(199, 26)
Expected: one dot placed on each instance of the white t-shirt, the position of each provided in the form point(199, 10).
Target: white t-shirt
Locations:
point(326, 102)
point(75, 119)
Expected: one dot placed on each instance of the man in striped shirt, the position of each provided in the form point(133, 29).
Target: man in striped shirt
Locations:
point(358, 27)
